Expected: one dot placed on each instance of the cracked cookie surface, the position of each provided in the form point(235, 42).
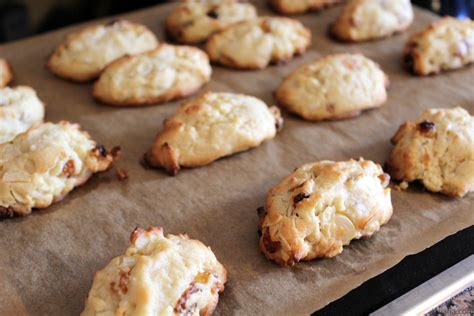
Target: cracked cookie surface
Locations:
point(321, 207)
point(158, 275)
point(438, 150)
point(257, 43)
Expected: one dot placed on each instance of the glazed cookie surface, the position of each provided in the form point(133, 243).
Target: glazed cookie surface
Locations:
point(300, 6)
point(444, 45)
point(85, 53)
point(333, 87)
point(363, 20)
point(257, 43)
point(158, 275)
point(438, 150)
point(166, 73)
point(6, 74)
point(194, 21)
point(20, 109)
point(321, 207)
point(42, 165)
point(212, 126)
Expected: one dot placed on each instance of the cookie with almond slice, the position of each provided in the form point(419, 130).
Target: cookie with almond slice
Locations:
point(321, 207)
point(158, 275)
point(446, 44)
point(41, 166)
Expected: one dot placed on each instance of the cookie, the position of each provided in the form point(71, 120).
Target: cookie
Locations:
point(194, 21)
point(437, 150)
point(333, 87)
point(444, 45)
point(363, 20)
point(212, 126)
point(85, 53)
point(6, 74)
point(300, 6)
point(321, 207)
point(166, 73)
point(20, 109)
point(255, 44)
point(43, 165)
point(158, 275)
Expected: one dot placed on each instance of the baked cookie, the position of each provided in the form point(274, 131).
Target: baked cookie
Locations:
point(6, 74)
point(20, 109)
point(85, 53)
point(194, 21)
point(166, 73)
point(334, 87)
point(321, 207)
point(444, 45)
point(255, 44)
point(42, 165)
point(212, 126)
point(300, 6)
point(438, 150)
point(158, 275)
point(363, 20)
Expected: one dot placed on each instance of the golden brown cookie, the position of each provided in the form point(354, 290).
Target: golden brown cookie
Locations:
point(158, 275)
point(444, 45)
point(438, 150)
point(333, 87)
point(212, 126)
point(321, 207)
point(166, 73)
point(42, 165)
point(257, 43)
point(194, 21)
point(85, 53)
point(363, 20)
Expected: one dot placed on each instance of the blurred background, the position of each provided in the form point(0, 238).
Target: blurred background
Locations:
point(23, 18)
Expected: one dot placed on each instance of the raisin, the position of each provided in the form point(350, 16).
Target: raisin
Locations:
point(300, 197)
point(6, 211)
point(426, 126)
point(102, 150)
point(213, 14)
point(270, 245)
point(181, 306)
point(68, 169)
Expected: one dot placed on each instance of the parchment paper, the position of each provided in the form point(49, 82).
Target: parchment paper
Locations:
point(47, 260)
